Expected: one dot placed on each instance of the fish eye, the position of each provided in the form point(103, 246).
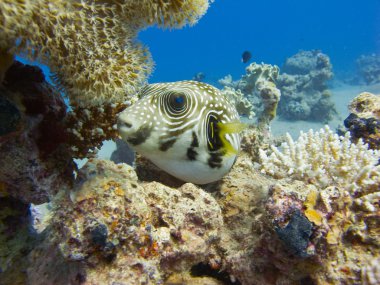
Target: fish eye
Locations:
point(177, 101)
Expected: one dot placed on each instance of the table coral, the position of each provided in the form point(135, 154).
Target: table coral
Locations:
point(90, 45)
point(92, 51)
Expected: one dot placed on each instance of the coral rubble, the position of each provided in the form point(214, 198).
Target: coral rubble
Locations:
point(303, 85)
point(364, 119)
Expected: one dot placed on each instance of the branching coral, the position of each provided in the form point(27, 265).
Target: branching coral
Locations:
point(324, 158)
point(90, 44)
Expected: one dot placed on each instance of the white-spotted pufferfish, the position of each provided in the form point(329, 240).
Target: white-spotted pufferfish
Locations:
point(187, 128)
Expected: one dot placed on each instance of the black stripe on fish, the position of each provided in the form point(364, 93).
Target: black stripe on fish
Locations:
point(191, 153)
point(168, 144)
point(213, 137)
point(195, 142)
point(140, 136)
point(215, 160)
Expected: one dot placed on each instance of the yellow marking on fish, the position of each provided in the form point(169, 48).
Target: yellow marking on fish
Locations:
point(230, 128)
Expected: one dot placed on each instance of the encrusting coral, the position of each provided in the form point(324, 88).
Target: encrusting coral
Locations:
point(364, 119)
point(255, 90)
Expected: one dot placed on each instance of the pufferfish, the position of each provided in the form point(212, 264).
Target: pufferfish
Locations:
point(187, 128)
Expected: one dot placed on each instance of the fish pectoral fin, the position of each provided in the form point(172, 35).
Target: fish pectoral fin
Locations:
point(230, 128)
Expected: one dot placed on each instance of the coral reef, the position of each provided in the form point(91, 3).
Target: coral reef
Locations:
point(313, 218)
point(92, 51)
point(364, 119)
point(256, 90)
point(323, 158)
point(88, 127)
point(369, 68)
point(116, 224)
point(90, 45)
point(35, 162)
point(302, 82)
point(344, 209)
point(138, 233)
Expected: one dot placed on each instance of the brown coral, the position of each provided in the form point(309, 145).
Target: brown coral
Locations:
point(90, 45)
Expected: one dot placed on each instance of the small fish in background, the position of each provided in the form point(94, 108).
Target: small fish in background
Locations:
point(200, 77)
point(246, 56)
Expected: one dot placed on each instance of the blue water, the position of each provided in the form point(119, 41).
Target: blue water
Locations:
point(272, 30)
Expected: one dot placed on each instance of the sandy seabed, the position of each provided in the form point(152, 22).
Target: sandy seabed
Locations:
point(341, 95)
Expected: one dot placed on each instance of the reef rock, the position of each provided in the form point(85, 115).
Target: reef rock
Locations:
point(113, 228)
point(35, 162)
point(256, 90)
point(303, 85)
point(369, 68)
point(16, 241)
point(364, 119)
point(116, 225)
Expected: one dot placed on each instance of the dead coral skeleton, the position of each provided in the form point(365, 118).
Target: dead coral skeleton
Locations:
point(326, 159)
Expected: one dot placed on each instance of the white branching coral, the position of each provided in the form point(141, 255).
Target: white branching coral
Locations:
point(324, 158)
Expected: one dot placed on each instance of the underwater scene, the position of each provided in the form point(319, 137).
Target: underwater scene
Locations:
point(189, 142)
